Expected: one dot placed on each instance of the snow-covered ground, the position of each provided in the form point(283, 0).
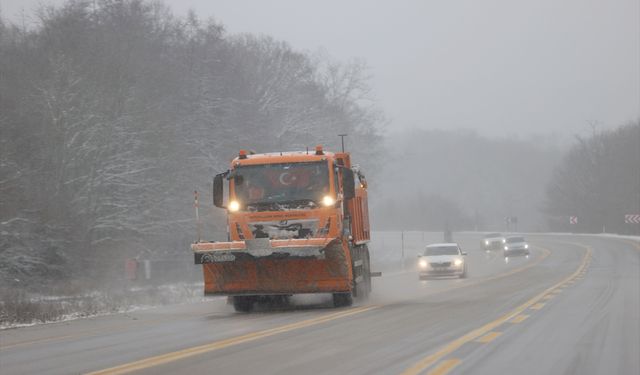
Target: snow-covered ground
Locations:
point(30, 310)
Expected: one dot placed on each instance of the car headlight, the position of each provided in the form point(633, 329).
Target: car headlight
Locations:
point(328, 201)
point(422, 263)
point(457, 262)
point(504, 240)
point(234, 206)
point(506, 247)
point(486, 242)
point(526, 246)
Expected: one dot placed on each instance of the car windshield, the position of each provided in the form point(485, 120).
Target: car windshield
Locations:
point(515, 239)
point(441, 250)
point(492, 235)
point(271, 186)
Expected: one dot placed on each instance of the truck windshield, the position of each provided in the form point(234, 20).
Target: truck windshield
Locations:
point(280, 186)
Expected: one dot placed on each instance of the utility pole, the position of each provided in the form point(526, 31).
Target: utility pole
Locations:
point(342, 140)
point(402, 245)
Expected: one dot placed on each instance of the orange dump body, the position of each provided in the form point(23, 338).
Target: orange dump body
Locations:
point(317, 262)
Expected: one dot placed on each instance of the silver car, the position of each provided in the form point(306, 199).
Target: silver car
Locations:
point(516, 245)
point(442, 259)
point(492, 241)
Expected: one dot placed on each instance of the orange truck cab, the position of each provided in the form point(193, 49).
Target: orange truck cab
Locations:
point(297, 223)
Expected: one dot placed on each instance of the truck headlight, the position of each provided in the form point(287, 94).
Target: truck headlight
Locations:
point(457, 262)
point(234, 206)
point(526, 246)
point(328, 201)
point(506, 247)
point(504, 240)
point(486, 242)
point(422, 263)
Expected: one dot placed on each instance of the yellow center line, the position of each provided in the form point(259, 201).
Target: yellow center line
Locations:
point(548, 297)
point(489, 337)
point(429, 360)
point(170, 357)
point(217, 345)
point(445, 366)
point(537, 306)
point(519, 319)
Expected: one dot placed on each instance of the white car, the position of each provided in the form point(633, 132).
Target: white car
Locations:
point(493, 241)
point(516, 245)
point(442, 259)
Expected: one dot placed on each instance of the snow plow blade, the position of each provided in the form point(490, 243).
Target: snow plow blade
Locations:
point(263, 266)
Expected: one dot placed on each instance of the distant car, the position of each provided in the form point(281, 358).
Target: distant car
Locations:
point(442, 259)
point(493, 241)
point(515, 245)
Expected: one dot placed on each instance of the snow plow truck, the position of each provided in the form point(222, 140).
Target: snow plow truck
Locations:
point(298, 223)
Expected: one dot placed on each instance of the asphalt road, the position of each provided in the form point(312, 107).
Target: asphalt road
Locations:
point(573, 307)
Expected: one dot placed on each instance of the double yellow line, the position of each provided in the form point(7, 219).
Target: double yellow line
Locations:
point(429, 360)
point(217, 345)
point(189, 352)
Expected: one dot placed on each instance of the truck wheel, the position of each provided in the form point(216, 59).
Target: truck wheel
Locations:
point(342, 299)
point(243, 303)
point(361, 289)
point(367, 269)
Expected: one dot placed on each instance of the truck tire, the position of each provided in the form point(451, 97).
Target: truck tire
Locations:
point(243, 303)
point(361, 289)
point(342, 299)
point(367, 268)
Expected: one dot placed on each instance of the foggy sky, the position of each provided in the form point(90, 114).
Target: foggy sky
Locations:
point(496, 66)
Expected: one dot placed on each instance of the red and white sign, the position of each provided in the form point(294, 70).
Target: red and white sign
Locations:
point(632, 219)
point(573, 220)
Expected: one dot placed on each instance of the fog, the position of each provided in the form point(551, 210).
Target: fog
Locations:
point(460, 114)
point(499, 67)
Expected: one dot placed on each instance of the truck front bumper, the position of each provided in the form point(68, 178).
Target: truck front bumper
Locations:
point(262, 266)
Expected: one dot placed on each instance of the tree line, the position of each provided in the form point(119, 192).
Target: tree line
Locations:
point(113, 111)
point(438, 179)
point(598, 182)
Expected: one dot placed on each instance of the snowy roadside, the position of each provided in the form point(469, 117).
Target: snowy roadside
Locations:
point(22, 310)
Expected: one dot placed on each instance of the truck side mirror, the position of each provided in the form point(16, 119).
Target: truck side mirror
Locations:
point(218, 190)
point(348, 184)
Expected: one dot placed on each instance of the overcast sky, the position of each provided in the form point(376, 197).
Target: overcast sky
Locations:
point(497, 66)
